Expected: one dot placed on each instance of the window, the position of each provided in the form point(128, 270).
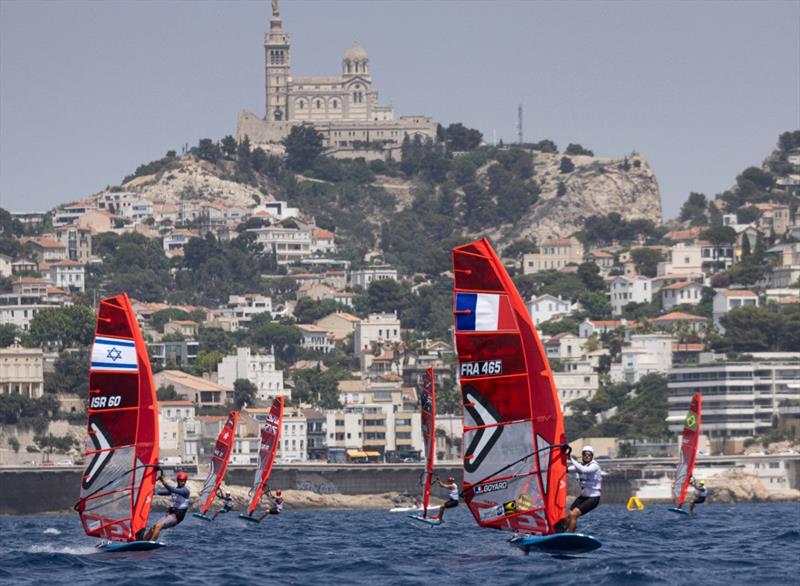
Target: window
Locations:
point(335, 104)
point(319, 104)
point(301, 104)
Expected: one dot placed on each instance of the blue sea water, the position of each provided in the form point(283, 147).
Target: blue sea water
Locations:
point(722, 544)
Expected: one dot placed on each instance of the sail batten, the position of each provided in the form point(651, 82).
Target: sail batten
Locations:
point(514, 467)
point(122, 428)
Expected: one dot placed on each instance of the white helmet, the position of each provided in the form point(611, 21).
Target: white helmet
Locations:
point(587, 449)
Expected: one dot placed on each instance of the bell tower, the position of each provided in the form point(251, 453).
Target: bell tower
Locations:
point(276, 54)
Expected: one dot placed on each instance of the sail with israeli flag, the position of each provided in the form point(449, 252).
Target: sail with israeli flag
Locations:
point(122, 430)
point(515, 463)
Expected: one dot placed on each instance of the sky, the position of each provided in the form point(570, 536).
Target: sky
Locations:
point(90, 90)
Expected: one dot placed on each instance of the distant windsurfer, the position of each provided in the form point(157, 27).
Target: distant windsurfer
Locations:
point(591, 480)
point(452, 495)
point(227, 503)
point(700, 495)
point(177, 510)
point(275, 506)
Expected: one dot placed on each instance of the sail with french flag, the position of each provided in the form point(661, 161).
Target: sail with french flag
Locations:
point(483, 312)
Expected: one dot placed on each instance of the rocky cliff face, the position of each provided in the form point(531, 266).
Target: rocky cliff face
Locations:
point(596, 186)
point(192, 178)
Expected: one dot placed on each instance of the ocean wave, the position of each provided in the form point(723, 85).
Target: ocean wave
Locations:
point(49, 548)
point(51, 531)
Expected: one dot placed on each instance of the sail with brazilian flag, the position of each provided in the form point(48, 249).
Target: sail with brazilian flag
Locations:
point(515, 453)
point(688, 454)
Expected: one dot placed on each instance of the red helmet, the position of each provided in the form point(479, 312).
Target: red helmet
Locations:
point(278, 491)
point(182, 475)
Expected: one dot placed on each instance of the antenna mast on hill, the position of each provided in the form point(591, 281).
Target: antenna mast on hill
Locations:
point(519, 124)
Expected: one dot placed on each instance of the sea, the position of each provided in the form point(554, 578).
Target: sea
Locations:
point(721, 544)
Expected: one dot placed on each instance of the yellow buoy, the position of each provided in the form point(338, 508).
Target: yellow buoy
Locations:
point(634, 504)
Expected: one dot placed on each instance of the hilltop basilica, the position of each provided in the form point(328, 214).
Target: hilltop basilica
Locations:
point(344, 108)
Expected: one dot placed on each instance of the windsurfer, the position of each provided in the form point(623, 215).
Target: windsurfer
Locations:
point(227, 502)
point(275, 506)
point(177, 510)
point(700, 495)
point(591, 480)
point(452, 495)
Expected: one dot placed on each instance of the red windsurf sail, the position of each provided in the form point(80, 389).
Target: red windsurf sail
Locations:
point(122, 431)
point(688, 455)
point(427, 398)
point(270, 435)
point(514, 463)
point(219, 462)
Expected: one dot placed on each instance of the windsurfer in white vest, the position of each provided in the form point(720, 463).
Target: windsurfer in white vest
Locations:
point(178, 507)
point(452, 495)
point(591, 480)
point(275, 504)
point(227, 502)
point(701, 493)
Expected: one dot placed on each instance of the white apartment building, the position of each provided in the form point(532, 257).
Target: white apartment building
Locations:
point(578, 381)
point(624, 290)
point(323, 241)
point(685, 292)
point(376, 328)
point(546, 307)
point(683, 258)
point(259, 369)
point(363, 277)
point(647, 354)
point(244, 307)
point(175, 241)
point(5, 266)
point(375, 429)
point(564, 346)
point(728, 299)
point(67, 275)
point(21, 371)
point(77, 240)
point(290, 240)
point(279, 210)
point(179, 430)
point(28, 297)
point(787, 272)
point(294, 437)
point(553, 254)
point(739, 398)
point(316, 338)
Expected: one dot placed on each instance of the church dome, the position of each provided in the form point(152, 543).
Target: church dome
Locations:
point(355, 53)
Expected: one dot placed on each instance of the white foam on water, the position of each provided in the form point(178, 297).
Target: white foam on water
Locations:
point(71, 550)
point(52, 531)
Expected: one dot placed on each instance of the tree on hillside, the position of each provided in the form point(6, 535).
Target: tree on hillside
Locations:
point(576, 149)
point(320, 389)
point(761, 179)
point(545, 146)
point(63, 327)
point(229, 146)
point(303, 146)
point(69, 375)
point(460, 138)
point(694, 209)
point(167, 393)
point(310, 310)
point(589, 273)
point(747, 214)
point(758, 329)
point(646, 261)
point(160, 318)
point(521, 247)
point(285, 338)
point(566, 165)
point(244, 393)
point(8, 333)
point(207, 150)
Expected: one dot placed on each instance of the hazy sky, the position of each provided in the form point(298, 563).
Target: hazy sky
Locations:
point(89, 90)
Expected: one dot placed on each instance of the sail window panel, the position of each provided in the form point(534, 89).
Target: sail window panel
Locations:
point(115, 391)
point(113, 321)
point(507, 399)
point(475, 350)
point(488, 450)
